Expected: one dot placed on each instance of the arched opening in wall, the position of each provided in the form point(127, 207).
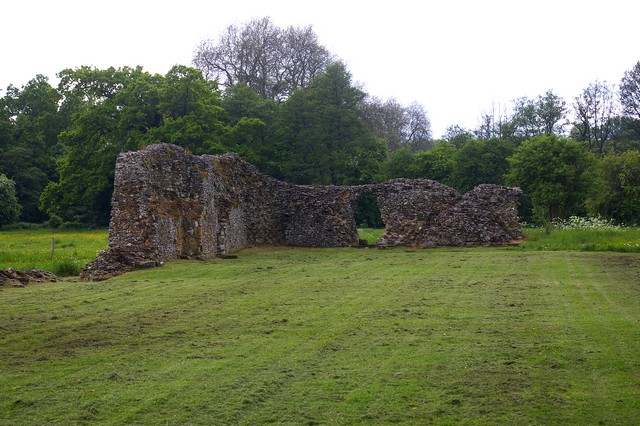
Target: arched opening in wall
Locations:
point(368, 218)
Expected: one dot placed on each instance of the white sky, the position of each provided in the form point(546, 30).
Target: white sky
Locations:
point(455, 57)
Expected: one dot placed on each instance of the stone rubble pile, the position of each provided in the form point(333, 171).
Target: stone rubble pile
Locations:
point(14, 278)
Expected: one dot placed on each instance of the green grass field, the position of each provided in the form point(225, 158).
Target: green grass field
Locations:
point(71, 249)
point(623, 240)
point(330, 336)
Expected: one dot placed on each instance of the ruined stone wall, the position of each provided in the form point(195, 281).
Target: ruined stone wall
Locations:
point(168, 204)
point(425, 213)
point(319, 216)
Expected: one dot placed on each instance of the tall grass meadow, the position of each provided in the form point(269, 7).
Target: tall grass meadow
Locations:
point(63, 252)
point(583, 234)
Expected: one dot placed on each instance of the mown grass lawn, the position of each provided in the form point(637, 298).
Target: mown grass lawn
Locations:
point(332, 336)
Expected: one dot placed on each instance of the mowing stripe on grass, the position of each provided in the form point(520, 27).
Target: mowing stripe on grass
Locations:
point(331, 336)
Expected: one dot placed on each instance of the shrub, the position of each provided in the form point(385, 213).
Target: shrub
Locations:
point(73, 225)
point(55, 221)
point(620, 198)
point(21, 225)
point(595, 222)
point(66, 267)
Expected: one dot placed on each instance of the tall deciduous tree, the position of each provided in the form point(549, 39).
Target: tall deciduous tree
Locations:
point(620, 199)
point(401, 127)
point(457, 135)
point(481, 161)
point(630, 92)
point(418, 128)
point(545, 115)
point(386, 119)
point(113, 116)
point(272, 61)
point(438, 163)
point(251, 121)
point(595, 109)
point(556, 173)
point(190, 112)
point(29, 157)
point(9, 206)
point(496, 123)
point(552, 113)
point(122, 110)
point(402, 164)
point(628, 127)
point(7, 127)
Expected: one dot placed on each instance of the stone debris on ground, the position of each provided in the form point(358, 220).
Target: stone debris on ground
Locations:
point(14, 278)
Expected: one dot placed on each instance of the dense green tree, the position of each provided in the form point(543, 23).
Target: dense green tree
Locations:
point(241, 101)
point(7, 129)
point(481, 161)
point(118, 108)
point(251, 120)
point(122, 110)
point(402, 164)
point(551, 112)
point(32, 146)
point(329, 143)
point(35, 111)
point(9, 206)
point(438, 163)
point(22, 165)
point(620, 198)
point(556, 173)
point(625, 134)
point(190, 112)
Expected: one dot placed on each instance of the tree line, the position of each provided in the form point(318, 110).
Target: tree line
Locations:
point(283, 102)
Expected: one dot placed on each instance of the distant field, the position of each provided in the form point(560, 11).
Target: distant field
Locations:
point(624, 240)
point(71, 250)
point(331, 336)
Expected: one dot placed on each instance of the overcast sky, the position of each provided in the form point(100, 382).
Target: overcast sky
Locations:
point(455, 57)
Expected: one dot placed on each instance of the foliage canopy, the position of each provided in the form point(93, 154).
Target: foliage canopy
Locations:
point(557, 173)
point(286, 104)
point(9, 206)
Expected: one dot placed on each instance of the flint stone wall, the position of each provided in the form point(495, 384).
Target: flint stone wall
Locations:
point(168, 204)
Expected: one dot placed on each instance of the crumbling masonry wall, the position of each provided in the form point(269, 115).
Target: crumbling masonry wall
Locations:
point(168, 204)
